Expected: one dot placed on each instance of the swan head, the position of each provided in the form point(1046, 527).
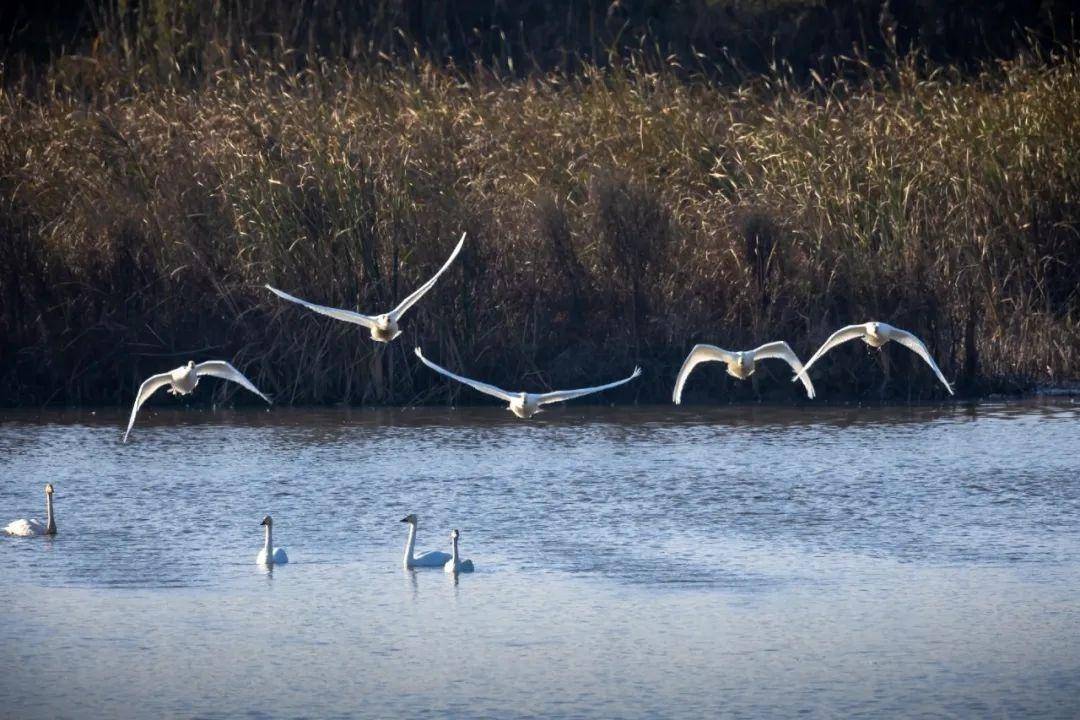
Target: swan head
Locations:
point(383, 321)
point(454, 534)
point(410, 518)
point(48, 489)
point(267, 521)
point(190, 364)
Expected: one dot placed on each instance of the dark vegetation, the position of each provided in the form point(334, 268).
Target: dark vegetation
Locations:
point(635, 177)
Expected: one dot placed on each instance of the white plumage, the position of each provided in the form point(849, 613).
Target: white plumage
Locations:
point(184, 379)
point(433, 558)
point(524, 404)
point(876, 334)
point(455, 564)
point(270, 555)
point(739, 364)
point(385, 327)
point(32, 528)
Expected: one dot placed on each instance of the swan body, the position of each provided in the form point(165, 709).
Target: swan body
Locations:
point(270, 555)
point(183, 380)
point(455, 564)
point(739, 364)
point(385, 327)
point(524, 404)
point(34, 528)
point(433, 558)
point(876, 334)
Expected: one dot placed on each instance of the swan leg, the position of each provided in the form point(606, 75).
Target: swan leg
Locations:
point(883, 358)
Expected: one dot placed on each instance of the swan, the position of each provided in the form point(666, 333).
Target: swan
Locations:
point(739, 364)
point(454, 564)
point(31, 528)
point(876, 334)
point(524, 404)
point(270, 555)
point(434, 558)
point(384, 328)
point(183, 380)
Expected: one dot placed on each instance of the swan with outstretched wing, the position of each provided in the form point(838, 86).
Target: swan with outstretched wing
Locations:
point(524, 404)
point(184, 379)
point(385, 327)
point(740, 364)
point(876, 335)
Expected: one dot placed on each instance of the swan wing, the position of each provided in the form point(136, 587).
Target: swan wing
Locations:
point(280, 557)
point(782, 351)
point(222, 369)
point(700, 354)
point(564, 395)
point(840, 336)
point(433, 558)
point(336, 313)
point(916, 346)
point(150, 385)
point(411, 300)
point(24, 528)
point(474, 384)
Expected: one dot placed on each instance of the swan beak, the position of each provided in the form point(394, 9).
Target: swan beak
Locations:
point(263, 522)
point(404, 519)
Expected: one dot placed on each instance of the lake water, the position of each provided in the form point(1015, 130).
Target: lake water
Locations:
point(636, 562)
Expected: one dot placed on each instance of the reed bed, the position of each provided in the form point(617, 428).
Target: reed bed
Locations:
point(616, 216)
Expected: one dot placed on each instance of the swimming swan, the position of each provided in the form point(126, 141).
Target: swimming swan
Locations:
point(454, 565)
point(31, 528)
point(524, 404)
point(739, 364)
point(434, 558)
point(183, 380)
point(384, 328)
point(876, 334)
point(270, 555)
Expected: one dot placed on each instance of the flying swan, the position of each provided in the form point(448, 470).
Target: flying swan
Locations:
point(739, 364)
point(454, 564)
point(876, 334)
point(270, 555)
point(524, 404)
point(184, 379)
point(31, 528)
point(384, 328)
point(434, 558)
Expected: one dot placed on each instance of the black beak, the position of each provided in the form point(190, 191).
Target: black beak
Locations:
point(404, 519)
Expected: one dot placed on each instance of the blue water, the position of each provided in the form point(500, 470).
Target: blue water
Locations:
point(631, 562)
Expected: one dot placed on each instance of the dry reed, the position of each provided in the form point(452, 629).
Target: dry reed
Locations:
point(615, 217)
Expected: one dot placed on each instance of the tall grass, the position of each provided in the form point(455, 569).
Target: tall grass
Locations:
point(615, 216)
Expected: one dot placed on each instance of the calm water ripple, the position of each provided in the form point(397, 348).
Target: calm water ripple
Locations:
point(632, 562)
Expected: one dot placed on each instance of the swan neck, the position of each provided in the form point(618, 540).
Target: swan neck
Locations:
point(455, 555)
point(410, 543)
point(50, 522)
point(269, 544)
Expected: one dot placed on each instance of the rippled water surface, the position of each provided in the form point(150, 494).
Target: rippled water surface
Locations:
point(632, 562)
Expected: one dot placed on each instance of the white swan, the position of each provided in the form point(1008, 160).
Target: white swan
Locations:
point(184, 379)
point(524, 404)
point(455, 564)
point(434, 558)
point(384, 328)
point(270, 555)
point(876, 334)
point(739, 364)
point(31, 528)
